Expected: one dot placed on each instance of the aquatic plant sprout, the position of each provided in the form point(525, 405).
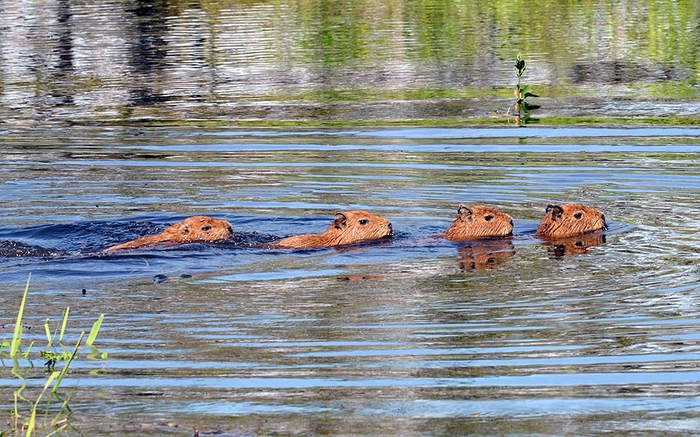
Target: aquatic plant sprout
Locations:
point(521, 108)
point(54, 378)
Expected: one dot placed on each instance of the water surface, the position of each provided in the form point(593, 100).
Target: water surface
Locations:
point(407, 337)
point(72, 62)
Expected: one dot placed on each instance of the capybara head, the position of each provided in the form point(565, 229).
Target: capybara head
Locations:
point(191, 230)
point(199, 229)
point(479, 222)
point(348, 227)
point(570, 219)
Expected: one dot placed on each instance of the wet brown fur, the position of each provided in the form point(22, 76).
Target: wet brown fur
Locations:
point(348, 227)
point(191, 230)
point(569, 220)
point(479, 222)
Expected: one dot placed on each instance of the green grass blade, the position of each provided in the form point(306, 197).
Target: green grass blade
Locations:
point(17, 371)
point(63, 325)
point(95, 329)
point(70, 360)
point(32, 419)
point(63, 414)
point(16, 415)
point(17, 337)
point(47, 328)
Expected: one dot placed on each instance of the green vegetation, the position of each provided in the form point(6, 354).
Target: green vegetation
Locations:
point(312, 54)
point(24, 418)
point(522, 108)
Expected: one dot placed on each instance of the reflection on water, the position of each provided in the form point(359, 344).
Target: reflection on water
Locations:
point(414, 336)
point(484, 255)
point(574, 246)
point(176, 61)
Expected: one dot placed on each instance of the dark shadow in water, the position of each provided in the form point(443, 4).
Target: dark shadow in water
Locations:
point(485, 255)
point(64, 67)
point(574, 245)
point(148, 51)
point(81, 237)
point(16, 249)
point(625, 71)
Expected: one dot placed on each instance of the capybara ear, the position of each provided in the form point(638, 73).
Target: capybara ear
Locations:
point(464, 212)
point(183, 228)
point(555, 210)
point(341, 220)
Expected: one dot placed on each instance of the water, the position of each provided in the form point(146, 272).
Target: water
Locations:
point(69, 62)
point(118, 118)
point(406, 337)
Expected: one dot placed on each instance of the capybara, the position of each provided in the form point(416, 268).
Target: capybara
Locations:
point(191, 230)
point(348, 227)
point(570, 219)
point(479, 222)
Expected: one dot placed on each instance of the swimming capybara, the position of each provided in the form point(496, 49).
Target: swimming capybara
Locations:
point(348, 227)
point(570, 219)
point(479, 222)
point(195, 229)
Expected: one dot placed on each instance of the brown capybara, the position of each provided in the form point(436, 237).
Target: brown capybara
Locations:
point(486, 257)
point(195, 229)
point(570, 219)
point(348, 227)
point(479, 222)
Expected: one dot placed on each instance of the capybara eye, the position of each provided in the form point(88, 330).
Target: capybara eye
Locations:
point(578, 215)
point(488, 218)
point(364, 222)
point(206, 228)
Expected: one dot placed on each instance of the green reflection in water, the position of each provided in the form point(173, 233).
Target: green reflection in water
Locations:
point(265, 61)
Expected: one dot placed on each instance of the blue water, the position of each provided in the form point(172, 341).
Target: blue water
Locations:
point(235, 337)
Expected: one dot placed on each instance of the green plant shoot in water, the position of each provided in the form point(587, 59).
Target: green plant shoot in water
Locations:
point(522, 108)
point(24, 423)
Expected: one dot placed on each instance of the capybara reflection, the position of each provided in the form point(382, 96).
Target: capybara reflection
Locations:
point(479, 222)
point(348, 227)
point(484, 257)
point(569, 220)
point(574, 245)
point(195, 229)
